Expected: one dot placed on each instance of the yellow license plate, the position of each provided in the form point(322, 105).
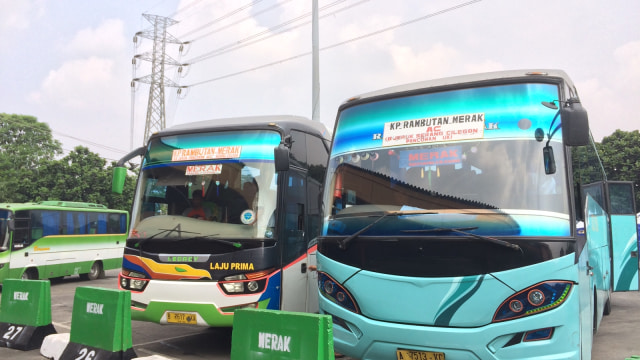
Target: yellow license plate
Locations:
point(403, 354)
point(181, 318)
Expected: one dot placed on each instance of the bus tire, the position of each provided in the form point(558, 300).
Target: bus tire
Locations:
point(607, 307)
point(96, 272)
point(30, 274)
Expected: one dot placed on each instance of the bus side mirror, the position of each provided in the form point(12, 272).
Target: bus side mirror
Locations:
point(575, 125)
point(549, 160)
point(11, 224)
point(120, 172)
point(117, 183)
point(281, 157)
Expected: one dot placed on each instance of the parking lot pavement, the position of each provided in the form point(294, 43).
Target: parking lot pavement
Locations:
point(619, 334)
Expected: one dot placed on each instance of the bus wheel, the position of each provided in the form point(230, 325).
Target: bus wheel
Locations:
point(95, 273)
point(607, 307)
point(30, 274)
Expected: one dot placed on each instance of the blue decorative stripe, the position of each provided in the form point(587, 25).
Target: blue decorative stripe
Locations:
point(444, 318)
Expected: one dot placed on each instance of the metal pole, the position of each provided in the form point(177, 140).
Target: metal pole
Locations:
point(315, 64)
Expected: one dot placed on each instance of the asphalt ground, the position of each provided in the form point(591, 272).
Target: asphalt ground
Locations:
point(617, 339)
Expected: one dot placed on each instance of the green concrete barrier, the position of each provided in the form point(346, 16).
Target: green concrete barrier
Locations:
point(25, 313)
point(270, 334)
point(100, 325)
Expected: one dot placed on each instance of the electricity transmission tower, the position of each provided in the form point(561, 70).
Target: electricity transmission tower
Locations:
point(158, 34)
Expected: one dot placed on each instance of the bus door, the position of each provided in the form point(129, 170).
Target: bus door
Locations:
point(293, 242)
point(597, 226)
point(21, 257)
point(624, 235)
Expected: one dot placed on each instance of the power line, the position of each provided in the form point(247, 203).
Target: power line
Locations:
point(184, 8)
point(238, 44)
point(36, 128)
point(105, 147)
point(340, 43)
point(229, 14)
point(240, 20)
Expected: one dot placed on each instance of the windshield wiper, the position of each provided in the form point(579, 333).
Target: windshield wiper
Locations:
point(218, 240)
point(177, 228)
point(342, 244)
point(464, 232)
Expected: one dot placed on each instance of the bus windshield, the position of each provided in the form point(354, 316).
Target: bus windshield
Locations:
point(472, 177)
point(187, 190)
point(488, 177)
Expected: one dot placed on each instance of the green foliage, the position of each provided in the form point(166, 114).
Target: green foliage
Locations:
point(29, 170)
point(620, 155)
point(25, 144)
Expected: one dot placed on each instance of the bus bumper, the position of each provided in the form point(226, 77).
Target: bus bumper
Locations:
point(200, 303)
point(363, 338)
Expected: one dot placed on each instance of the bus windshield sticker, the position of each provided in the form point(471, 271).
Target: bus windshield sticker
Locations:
point(219, 152)
point(426, 130)
point(431, 157)
point(213, 169)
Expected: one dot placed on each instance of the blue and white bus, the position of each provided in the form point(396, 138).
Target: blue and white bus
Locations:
point(451, 209)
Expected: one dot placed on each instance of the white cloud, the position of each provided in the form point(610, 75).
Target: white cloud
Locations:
point(105, 40)
point(628, 57)
point(485, 66)
point(78, 84)
point(410, 65)
point(19, 14)
point(88, 95)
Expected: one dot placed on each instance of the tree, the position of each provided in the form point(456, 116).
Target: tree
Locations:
point(82, 176)
point(620, 154)
point(29, 170)
point(25, 144)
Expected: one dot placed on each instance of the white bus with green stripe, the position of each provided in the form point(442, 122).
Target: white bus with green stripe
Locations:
point(53, 239)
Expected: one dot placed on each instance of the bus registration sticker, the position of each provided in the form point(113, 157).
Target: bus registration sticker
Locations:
point(181, 318)
point(404, 354)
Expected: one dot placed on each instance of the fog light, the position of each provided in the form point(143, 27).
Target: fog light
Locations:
point(252, 286)
point(124, 283)
point(540, 334)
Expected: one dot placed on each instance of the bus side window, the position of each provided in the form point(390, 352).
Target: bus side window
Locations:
point(101, 223)
point(113, 226)
point(50, 223)
point(93, 223)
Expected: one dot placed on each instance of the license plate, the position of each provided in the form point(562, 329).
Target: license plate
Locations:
point(403, 354)
point(181, 318)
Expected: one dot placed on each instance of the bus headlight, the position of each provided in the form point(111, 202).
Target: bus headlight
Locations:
point(246, 283)
point(131, 282)
point(534, 300)
point(333, 291)
point(137, 284)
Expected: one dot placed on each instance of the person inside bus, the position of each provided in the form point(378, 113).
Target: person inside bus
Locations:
point(249, 192)
point(197, 211)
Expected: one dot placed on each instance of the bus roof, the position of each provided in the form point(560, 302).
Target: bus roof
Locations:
point(54, 204)
point(479, 79)
point(281, 123)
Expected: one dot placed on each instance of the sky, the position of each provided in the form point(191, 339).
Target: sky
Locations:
point(70, 62)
